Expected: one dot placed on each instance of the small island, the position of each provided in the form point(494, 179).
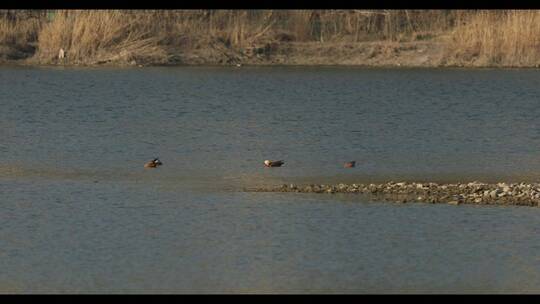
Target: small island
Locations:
point(523, 194)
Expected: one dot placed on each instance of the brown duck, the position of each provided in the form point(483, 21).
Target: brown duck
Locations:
point(276, 163)
point(350, 164)
point(153, 163)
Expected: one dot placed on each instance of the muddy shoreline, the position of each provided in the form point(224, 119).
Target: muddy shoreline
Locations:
point(520, 194)
point(375, 54)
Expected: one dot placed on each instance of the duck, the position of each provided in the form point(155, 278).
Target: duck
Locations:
point(350, 164)
point(276, 163)
point(153, 163)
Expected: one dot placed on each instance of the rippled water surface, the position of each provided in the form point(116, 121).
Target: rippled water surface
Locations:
point(78, 213)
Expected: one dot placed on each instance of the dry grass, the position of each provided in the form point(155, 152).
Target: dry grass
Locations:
point(18, 36)
point(96, 36)
point(99, 36)
point(509, 38)
point(19, 32)
point(18, 27)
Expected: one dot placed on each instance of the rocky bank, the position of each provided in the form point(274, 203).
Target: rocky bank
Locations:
point(523, 194)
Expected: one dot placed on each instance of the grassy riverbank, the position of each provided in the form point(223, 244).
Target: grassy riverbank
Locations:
point(425, 38)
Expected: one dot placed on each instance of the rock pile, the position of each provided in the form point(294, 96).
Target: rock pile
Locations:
point(527, 194)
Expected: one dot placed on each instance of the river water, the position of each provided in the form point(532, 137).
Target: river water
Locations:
point(80, 214)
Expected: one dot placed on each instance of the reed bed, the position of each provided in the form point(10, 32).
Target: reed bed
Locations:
point(18, 35)
point(504, 37)
point(99, 36)
point(508, 38)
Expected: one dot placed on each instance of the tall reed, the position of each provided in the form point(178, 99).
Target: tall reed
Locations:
point(89, 36)
point(17, 29)
point(485, 37)
point(510, 38)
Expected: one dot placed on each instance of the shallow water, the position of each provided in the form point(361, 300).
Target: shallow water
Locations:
point(80, 214)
